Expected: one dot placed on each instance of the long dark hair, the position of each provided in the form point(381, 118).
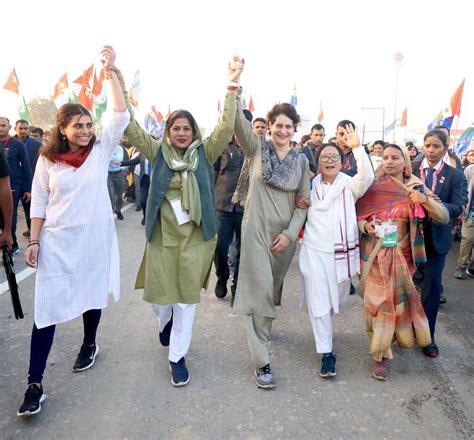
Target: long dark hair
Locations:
point(58, 142)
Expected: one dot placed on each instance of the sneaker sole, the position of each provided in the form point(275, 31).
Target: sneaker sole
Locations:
point(325, 375)
point(179, 384)
point(31, 413)
point(78, 370)
point(265, 387)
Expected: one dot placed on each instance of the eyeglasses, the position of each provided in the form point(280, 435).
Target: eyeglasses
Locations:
point(331, 158)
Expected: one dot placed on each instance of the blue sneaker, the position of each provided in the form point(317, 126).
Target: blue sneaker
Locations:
point(179, 373)
point(328, 365)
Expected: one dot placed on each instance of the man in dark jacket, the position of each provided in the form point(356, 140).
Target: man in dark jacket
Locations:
point(22, 130)
point(20, 177)
point(6, 203)
point(227, 171)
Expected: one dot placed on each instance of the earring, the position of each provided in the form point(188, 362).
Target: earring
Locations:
point(64, 138)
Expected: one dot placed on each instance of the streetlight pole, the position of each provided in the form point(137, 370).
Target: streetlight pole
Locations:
point(398, 59)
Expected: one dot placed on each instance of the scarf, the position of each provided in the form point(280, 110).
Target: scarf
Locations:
point(186, 164)
point(283, 175)
point(339, 197)
point(74, 158)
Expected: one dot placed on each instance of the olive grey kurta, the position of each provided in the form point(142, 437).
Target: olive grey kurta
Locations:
point(268, 212)
point(177, 262)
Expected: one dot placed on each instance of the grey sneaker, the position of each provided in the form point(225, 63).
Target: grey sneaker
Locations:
point(265, 378)
point(460, 273)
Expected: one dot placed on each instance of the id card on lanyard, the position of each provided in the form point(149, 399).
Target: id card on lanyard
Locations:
point(5, 148)
point(435, 176)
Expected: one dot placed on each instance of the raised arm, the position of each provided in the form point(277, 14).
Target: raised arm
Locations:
point(222, 134)
point(247, 139)
point(137, 136)
point(365, 173)
point(118, 120)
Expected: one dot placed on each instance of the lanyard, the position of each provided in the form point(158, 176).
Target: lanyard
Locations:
point(6, 141)
point(435, 176)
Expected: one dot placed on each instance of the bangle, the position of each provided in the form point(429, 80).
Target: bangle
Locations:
point(32, 242)
point(232, 88)
point(233, 84)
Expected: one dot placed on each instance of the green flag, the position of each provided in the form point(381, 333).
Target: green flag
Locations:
point(23, 110)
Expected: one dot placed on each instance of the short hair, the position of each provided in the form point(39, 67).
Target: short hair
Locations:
point(6, 119)
point(440, 134)
point(21, 121)
point(443, 127)
point(285, 109)
point(38, 130)
point(317, 127)
point(247, 114)
point(260, 120)
point(379, 142)
point(409, 144)
point(345, 122)
point(331, 144)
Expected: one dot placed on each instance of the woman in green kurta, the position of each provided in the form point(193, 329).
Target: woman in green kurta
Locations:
point(180, 220)
point(276, 176)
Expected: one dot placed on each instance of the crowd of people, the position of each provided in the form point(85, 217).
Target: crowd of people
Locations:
point(242, 198)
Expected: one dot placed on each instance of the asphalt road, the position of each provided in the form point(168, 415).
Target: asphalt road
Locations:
point(128, 394)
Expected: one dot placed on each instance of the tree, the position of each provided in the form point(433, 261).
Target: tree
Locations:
point(42, 112)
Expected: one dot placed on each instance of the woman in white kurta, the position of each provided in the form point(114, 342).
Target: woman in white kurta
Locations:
point(72, 221)
point(329, 256)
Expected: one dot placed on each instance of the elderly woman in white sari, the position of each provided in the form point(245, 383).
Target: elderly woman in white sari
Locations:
point(329, 256)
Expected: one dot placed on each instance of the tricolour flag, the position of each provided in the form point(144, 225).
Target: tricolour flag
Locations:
point(85, 77)
point(158, 115)
point(61, 95)
point(153, 127)
point(403, 119)
point(12, 84)
point(456, 100)
point(390, 127)
point(99, 94)
point(464, 141)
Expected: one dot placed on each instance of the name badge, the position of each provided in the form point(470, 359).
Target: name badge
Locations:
point(181, 215)
point(388, 233)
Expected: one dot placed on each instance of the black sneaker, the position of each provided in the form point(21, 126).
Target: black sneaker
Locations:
point(179, 373)
point(328, 365)
point(34, 396)
point(265, 378)
point(86, 357)
point(119, 215)
point(221, 289)
point(166, 333)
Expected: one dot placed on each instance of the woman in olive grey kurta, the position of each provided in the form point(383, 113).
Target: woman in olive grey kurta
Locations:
point(180, 224)
point(268, 212)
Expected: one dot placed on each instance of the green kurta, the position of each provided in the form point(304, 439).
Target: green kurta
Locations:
point(268, 212)
point(177, 262)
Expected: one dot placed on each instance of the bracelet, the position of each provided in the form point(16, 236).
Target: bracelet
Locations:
point(233, 84)
point(232, 88)
point(32, 242)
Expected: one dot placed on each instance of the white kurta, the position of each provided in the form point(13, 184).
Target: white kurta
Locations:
point(319, 285)
point(78, 263)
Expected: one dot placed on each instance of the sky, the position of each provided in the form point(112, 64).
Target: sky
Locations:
point(337, 53)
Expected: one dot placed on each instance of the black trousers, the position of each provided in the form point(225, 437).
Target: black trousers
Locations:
point(229, 224)
point(42, 341)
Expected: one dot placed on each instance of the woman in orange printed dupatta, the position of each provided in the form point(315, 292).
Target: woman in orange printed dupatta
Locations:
point(392, 305)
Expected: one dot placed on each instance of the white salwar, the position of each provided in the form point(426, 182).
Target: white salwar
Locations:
point(78, 263)
point(182, 328)
point(325, 283)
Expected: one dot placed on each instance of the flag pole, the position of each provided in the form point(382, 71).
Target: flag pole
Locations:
point(398, 59)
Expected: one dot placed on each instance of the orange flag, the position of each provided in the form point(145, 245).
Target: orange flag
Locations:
point(98, 83)
point(158, 115)
point(12, 84)
point(85, 97)
point(251, 106)
point(86, 76)
point(321, 113)
point(403, 120)
point(456, 100)
point(60, 91)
